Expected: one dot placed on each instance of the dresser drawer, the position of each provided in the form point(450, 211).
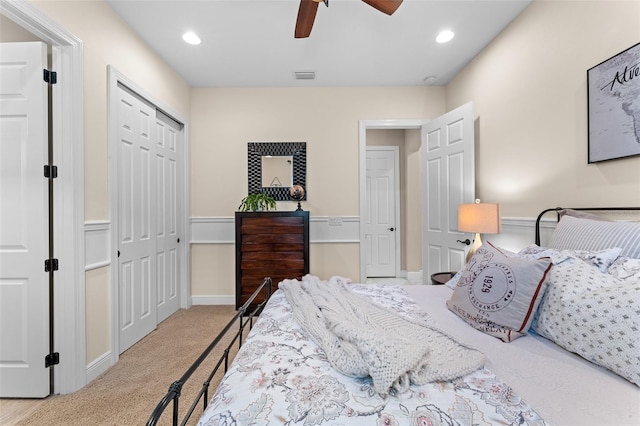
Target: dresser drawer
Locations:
point(270, 244)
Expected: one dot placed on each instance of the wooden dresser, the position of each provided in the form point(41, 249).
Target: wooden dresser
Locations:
point(269, 244)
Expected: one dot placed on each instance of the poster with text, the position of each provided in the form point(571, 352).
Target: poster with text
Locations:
point(614, 107)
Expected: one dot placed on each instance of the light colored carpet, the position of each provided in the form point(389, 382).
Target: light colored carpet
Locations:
point(127, 393)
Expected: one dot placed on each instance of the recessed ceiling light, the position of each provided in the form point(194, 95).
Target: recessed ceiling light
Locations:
point(444, 36)
point(191, 38)
point(429, 79)
point(304, 75)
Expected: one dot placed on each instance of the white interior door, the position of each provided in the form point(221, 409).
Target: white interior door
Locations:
point(137, 203)
point(169, 151)
point(448, 180)
point(24, 231)
point(381, 230)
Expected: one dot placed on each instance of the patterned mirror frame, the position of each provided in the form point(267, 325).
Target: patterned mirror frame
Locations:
point(257, 150)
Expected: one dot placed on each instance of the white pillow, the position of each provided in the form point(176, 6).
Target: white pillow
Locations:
point(602, 259)
point(625, 269)
point(454, 280)
point(498, 292)
point(602, 326)
point(566, 280)
point(536, 252)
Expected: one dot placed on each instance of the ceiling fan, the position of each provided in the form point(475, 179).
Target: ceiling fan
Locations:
point(308, 9)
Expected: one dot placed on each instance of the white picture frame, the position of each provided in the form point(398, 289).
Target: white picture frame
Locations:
point(613, 93)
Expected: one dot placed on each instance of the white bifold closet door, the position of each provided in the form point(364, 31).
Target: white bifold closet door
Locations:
point(148, 178)
point(169, 163)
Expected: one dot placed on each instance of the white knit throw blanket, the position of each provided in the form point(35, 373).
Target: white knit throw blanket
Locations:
point(361, 338)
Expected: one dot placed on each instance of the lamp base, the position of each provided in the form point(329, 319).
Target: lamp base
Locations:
point(477, 242)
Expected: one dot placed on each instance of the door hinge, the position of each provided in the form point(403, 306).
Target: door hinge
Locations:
point(50, 171)
point(50, 77)
point(52, 359)
point(50, 265)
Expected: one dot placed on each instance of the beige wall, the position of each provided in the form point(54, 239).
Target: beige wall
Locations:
point(412, 216)
point(529, 89)
point(12, 32)
point(224, 120)
point(98, 316)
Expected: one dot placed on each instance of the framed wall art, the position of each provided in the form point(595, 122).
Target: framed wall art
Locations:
point(613, 92)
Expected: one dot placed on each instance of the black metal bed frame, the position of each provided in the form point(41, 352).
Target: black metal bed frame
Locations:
point(243, 317)
point(557, 210)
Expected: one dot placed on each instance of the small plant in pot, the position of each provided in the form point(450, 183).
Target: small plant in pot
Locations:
point(256, 203)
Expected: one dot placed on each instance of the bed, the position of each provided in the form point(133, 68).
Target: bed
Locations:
point(569, 355)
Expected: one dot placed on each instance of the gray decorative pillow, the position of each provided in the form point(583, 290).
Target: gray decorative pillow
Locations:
point(498, 292)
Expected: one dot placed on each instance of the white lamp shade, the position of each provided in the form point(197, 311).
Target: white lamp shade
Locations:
point(482, 218)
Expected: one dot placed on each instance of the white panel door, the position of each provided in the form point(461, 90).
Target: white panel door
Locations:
point(136, 219)
point(381, 228)
point(448, 180)
point(169, 152)
point(24, 230)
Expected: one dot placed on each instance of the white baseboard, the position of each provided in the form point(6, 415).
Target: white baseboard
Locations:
point(99, 366)
point(213, 300)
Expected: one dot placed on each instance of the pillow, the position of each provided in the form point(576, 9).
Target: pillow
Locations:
point(454, 280)
point(565, 281)
point(574, 233)
point(602, 326)
point(536, 252)
point(602, 259)
point(581, 213)
point(498, 292)
point(625, 269)
point(533, 251)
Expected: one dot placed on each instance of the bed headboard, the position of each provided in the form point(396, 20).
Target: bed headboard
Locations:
point(586, 209)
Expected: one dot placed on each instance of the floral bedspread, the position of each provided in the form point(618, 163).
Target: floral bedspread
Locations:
point(281, 377)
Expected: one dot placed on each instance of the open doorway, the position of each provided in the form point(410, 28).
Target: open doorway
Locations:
point(390, 201)
point(445, 177)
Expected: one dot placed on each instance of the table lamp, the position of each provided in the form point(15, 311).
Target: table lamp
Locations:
point(481, 218)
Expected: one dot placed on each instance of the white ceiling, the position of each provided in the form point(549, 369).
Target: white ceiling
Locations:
point(250, 43)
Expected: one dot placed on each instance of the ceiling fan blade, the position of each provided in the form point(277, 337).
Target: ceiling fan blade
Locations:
point(384, 6)
point(306, 16)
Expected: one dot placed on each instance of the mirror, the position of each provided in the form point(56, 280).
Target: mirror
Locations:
point(269, 169)
point(277, 170)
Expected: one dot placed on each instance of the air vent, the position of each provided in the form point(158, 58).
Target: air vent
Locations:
point(305, 75)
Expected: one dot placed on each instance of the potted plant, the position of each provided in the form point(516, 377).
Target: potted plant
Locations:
point(257, 202)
